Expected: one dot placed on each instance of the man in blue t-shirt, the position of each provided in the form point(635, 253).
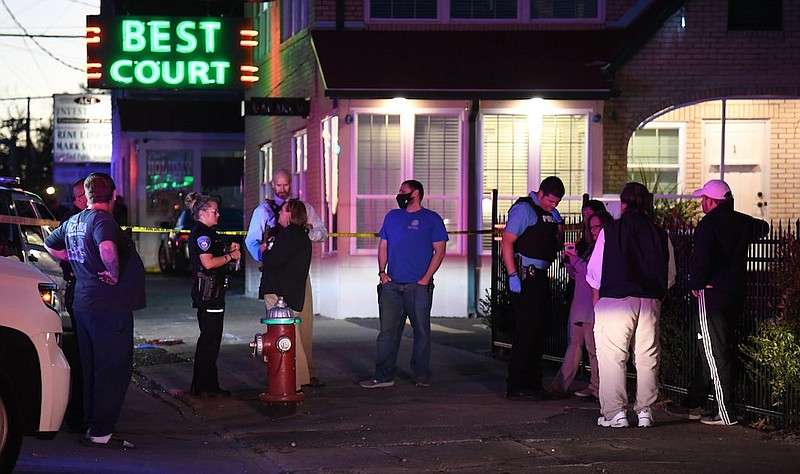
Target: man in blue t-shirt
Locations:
point(413, 241)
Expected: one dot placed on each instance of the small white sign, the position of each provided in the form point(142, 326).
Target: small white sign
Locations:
point(82, 129)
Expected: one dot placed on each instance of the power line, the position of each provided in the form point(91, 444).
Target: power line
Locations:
point(19, 35)
point(36, 42)
point(26, 98)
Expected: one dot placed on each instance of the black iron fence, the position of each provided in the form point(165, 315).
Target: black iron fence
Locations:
point(679, 344)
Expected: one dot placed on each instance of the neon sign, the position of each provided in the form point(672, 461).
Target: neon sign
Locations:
point(169, 52)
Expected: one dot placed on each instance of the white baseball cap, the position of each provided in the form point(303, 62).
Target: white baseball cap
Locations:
point(715, 189)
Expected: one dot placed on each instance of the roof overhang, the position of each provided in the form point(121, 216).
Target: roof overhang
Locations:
point(466, 64)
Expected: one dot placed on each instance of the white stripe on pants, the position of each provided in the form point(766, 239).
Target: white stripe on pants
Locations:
point(620, 322)
point(725, 410)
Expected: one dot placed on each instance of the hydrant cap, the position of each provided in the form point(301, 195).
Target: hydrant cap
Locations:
point(280, 311)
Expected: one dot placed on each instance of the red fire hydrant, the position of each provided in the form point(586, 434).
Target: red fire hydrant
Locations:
point(277, 345)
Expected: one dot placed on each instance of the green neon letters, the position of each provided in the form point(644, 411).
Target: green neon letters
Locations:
point(168, 52)
point(174, 73)
point(157, 35)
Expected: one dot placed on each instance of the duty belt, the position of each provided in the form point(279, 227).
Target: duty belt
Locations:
point(526, 271)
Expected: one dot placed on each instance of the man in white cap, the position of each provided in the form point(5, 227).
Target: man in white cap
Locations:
point(718, 279)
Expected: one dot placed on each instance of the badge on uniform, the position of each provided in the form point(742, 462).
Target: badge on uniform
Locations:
point(204, 242)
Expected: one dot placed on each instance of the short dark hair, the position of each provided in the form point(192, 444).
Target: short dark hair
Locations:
point(78, 184)
point(595, 205)
point(552, 186)
point(415, 185)
point(637, 197)
point(99, 188)
point(299, 215)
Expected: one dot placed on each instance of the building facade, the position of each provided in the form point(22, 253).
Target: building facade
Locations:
point(468, 97)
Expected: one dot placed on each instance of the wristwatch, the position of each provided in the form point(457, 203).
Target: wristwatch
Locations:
point(381, 272)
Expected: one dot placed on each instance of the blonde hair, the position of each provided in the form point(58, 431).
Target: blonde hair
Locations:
point(196, 202)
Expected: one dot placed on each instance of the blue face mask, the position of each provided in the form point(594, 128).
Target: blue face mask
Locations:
point(403, 200)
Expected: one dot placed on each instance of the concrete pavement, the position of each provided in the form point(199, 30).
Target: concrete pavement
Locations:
point(461, 423)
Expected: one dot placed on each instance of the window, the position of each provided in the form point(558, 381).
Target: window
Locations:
point(564, 150)
point(519, 150)
point(330, 179)
point(499, 9)
point(10, 245)
point(654, 158)
point(266, 166)
point(764, 15)
point(519, 11)
point(300, 164)
point(379, 172)
point(31, 233)
point(558, 9)
point(396, 9)
point(262, 22)
point(294, 17)
point(392, 148)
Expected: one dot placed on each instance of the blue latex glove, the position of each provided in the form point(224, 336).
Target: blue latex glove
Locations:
point(515, 284)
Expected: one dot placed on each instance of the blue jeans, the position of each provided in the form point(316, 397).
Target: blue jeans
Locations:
point(396, 301)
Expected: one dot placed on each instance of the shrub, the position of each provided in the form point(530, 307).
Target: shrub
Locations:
point(776, 346)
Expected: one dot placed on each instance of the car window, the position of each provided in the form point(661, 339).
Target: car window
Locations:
point(44, 213)
point(185, 220)
point(10, 245)
point(31, 233)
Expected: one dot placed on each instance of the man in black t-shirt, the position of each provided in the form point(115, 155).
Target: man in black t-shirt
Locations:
point(109, 287)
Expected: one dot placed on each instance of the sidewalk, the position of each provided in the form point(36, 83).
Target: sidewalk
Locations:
point(461, 423)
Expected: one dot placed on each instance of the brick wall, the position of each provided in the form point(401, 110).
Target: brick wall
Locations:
point(703, 61)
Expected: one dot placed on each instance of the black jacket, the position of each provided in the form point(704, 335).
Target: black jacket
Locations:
point(285, 266)
point(721, 241)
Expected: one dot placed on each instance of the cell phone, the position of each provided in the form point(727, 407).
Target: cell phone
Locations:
point(569, 246)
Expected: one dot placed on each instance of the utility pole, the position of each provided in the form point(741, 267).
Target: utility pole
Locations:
point(28, 145)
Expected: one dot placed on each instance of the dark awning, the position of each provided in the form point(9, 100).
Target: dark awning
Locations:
point(467, 64)
point(205, 116)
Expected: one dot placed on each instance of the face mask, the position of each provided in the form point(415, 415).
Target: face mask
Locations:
point(403, 200)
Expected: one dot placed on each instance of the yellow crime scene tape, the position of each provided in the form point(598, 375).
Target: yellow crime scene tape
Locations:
point(27, 221)
point(4, 219)
point(158, 230)
point(497, 231)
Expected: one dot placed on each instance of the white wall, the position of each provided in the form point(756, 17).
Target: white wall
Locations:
point(350, 290)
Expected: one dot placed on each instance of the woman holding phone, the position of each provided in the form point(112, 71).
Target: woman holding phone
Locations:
point(581, 317)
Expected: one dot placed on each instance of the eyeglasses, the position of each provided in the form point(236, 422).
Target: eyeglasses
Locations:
point(213, 211)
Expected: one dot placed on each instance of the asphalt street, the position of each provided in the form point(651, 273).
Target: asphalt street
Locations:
point(462, 423)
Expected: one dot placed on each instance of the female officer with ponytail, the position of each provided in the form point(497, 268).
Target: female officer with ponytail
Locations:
point(209, 259)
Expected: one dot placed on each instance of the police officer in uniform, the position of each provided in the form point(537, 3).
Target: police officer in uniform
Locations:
point(533, 235)
point(209, 261)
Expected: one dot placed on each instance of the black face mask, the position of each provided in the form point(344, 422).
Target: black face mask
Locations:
point(403, 200)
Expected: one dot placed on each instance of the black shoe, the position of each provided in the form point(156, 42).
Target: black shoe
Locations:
point(218, 393)
point(528, 395)
point(684, 412)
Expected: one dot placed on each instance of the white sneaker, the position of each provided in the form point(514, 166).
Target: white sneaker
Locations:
point(645, 418)
point(620, 420)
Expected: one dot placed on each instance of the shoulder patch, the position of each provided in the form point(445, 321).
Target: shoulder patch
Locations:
point(204, 242)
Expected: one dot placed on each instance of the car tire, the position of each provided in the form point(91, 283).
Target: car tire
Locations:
point(163, 260)
point(10, 426)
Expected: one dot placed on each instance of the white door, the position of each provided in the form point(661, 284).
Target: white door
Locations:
point(746, 155)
